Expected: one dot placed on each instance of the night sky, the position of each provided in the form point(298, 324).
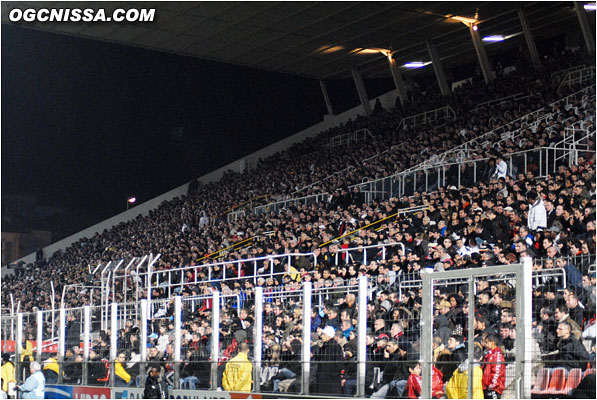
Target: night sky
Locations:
point(85, 124)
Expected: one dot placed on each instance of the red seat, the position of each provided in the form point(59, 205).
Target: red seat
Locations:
point(574, 378)
point(542, 381)
point(107, 377)
point(589, 371)
point(557, 381)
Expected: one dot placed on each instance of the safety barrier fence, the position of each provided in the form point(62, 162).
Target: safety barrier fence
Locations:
point(283, 329)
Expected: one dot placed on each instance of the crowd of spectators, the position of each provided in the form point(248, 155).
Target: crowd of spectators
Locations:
point(495, 220)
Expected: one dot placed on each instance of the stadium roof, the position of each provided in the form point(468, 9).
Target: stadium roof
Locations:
point(312, 39)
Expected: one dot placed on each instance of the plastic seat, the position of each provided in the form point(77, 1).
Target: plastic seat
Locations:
point(574, 378)
point(542, 381)
point(557, 381)
point(589, 371)
point(107, 377)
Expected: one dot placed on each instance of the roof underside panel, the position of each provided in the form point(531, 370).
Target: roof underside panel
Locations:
point(313, 39)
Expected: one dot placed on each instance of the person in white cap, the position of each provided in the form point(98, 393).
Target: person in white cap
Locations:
point(328, 357)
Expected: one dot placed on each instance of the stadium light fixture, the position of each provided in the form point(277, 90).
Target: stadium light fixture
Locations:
point(129, 201)
point(416, 64)
point(590, 6)
point(494, 38)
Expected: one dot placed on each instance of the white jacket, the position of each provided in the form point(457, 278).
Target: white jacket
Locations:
point(537, 216)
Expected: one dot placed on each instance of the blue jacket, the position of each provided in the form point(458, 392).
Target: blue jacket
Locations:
point(34, 386)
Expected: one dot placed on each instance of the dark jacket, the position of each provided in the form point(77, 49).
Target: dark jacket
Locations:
point(155, 388)
point(330, 358)
point(572, 354)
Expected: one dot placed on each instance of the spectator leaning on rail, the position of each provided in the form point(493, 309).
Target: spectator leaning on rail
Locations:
point(238, 375)
point(35, 385)
point(155, 387)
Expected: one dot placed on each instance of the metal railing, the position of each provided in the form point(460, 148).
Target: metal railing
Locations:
point(578, 76)
point(464, 149)
point(427, 117)
point(561, 74)
point(345, 139)
point(502, 101)
point(283, 204)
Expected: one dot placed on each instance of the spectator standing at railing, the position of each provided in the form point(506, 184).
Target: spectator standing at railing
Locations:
point(494, 369)
point(155, 387)
point(329, 357)
point(237, 375)
point(35, 385)
point(7, 371)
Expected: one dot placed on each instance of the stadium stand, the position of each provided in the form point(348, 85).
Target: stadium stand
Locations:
point(524, 186)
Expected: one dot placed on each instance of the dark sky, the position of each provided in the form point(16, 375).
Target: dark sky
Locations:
point(86, 124)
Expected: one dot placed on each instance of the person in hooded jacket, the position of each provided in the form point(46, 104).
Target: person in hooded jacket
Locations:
point(457, 387)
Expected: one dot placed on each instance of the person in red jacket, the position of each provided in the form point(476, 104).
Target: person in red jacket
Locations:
point(494, 368)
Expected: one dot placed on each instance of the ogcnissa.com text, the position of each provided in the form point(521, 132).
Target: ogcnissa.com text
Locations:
point(81, 15)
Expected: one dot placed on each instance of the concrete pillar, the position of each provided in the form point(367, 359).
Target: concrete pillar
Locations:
point(528, 36)
point(438, 67)
point(488, 74)
point(585, 27)
point(358, 81)
point(328, 102)
point(398, 81)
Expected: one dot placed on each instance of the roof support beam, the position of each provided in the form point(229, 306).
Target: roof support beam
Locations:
point(528, 36)
point(358, 81)
point(488, 74)
point(438, 67)
point(584, 27)
point(398, 81)
point(328, 102)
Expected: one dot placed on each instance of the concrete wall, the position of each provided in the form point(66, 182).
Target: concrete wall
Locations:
point(387, 101)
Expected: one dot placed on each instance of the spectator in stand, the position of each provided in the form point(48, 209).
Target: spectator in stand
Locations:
point(238, 374)
point(571, 353)
point(494, 369)
point(329, 357)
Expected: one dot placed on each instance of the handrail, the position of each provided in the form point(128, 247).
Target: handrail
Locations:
point(427, 117)
point(563, 72)
point(348, 138)
point(275, 205)
point(578, 76)
point(501, 100)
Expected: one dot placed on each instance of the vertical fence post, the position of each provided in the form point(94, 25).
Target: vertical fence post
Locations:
point(524, 313)
point(61, 341)
point(113, 339)
point(18, 375)
point(471, 332)
point(143, 340)
point(86, 341)
point(361, 337)
point(40, 331)
point(426, 333)
point(215, 338)
point(258, 338)
point(306, 348)
point(177, 339)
